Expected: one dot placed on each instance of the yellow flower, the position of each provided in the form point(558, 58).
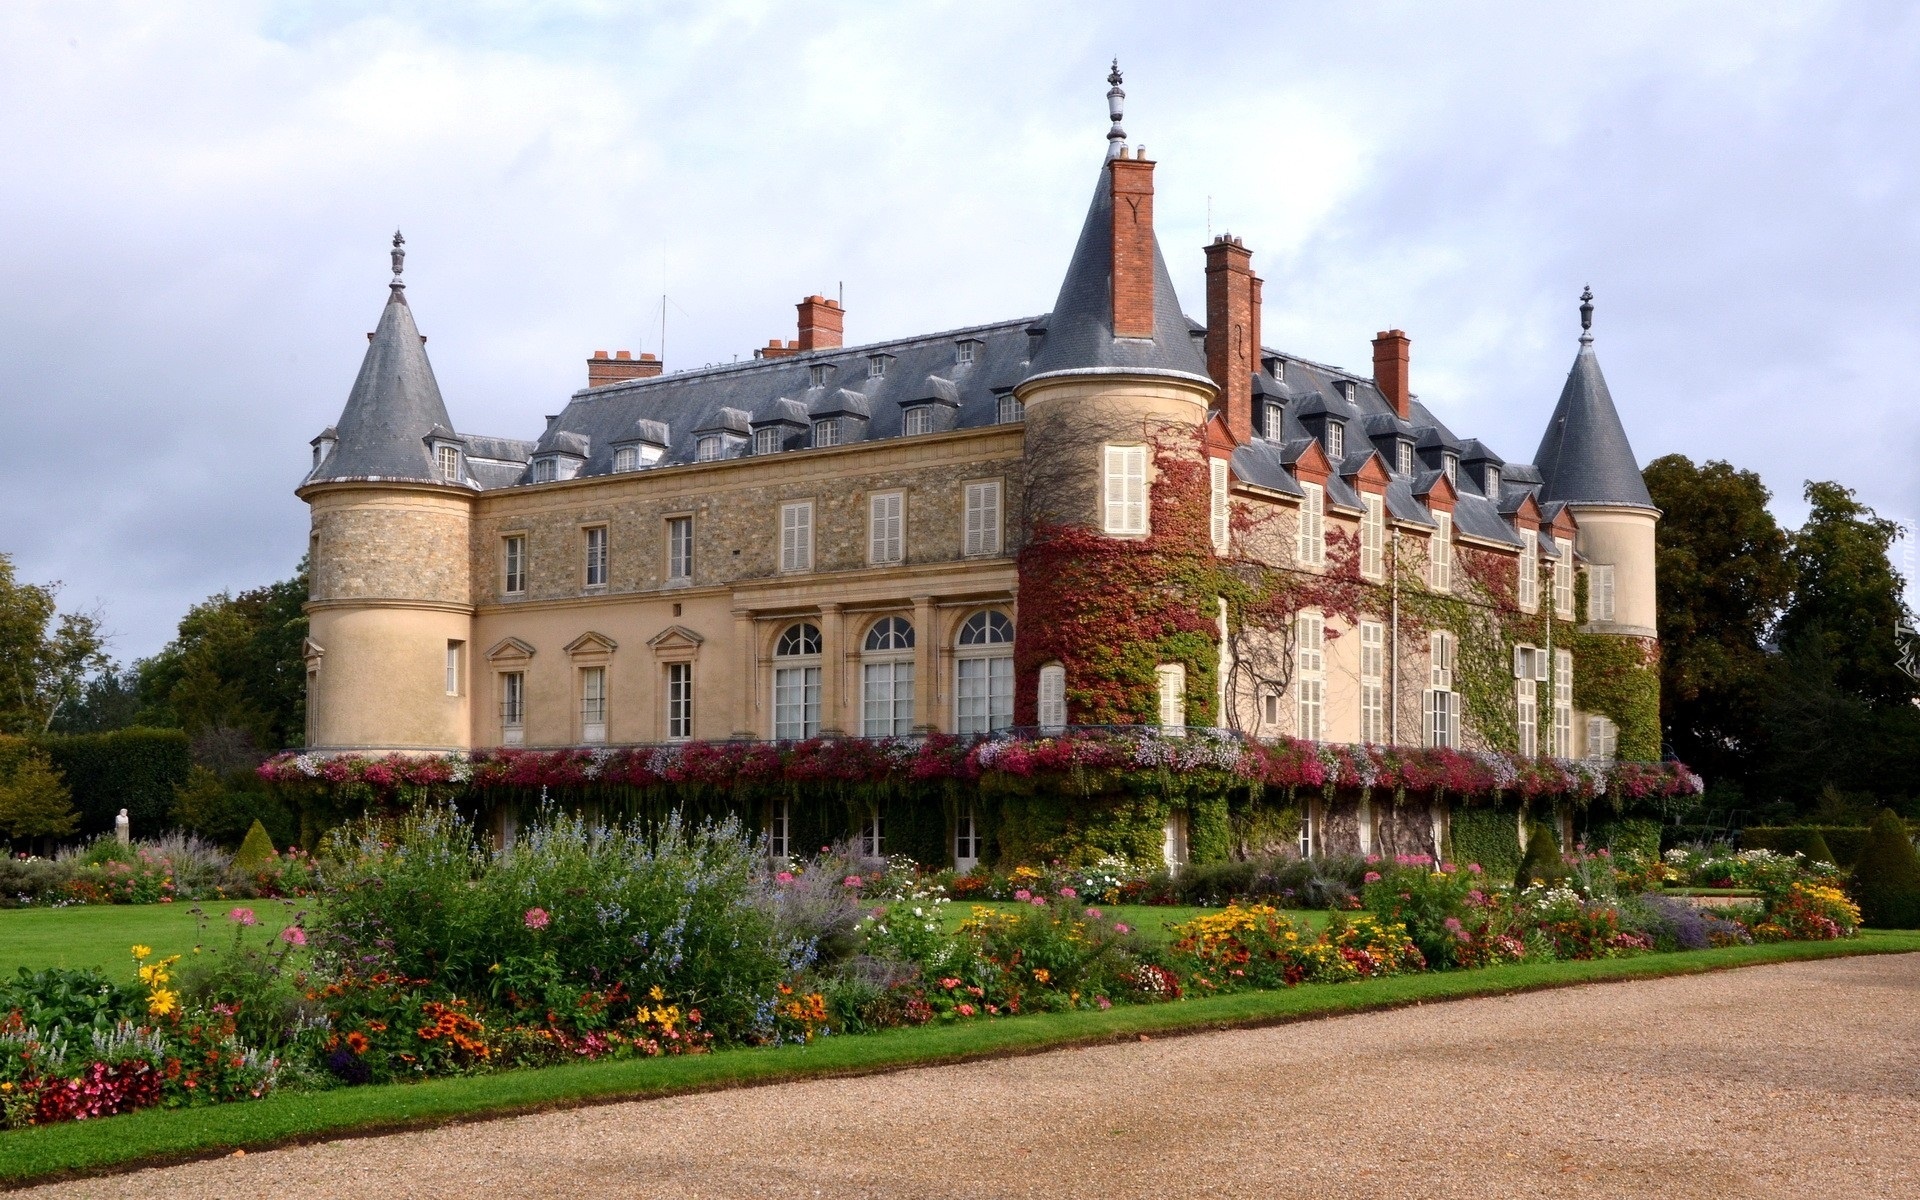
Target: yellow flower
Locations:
point(657, 992)
point(140, 952)
point(162, 1002)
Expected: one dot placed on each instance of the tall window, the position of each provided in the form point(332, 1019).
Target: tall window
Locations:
point(1220, 513)
point(593, 704)
point(767, 440)
point(1009, 410)
point(886, 678)
point(983, 674)
point(1126, 489)
point(1309, 673)
point(886, 527)
point(1493, 484)
point(1336, 441)
point(919, 419)
point(1275, 421)
point(455, 651)
point(1603, 739)
point(597, 556)
point(826, 432)
point(515, 581)
point(966, 840)
point(450, 464)
point(1440, 553)
point(1053, 698)
point(1170, 680)
point(1600, 593)
point(679, 701)
point(1441, 704)
point(1373, 692)
point(679, 549)
point(1270, 706)
point(1563, 704)
point(1528, 590)
point(796, 683)
point(1373, 535)
point(710, 448)
point(513, 708)
point(983, 518)
point(1405, 455)
point(1311, 538)
point(780, 828)
point(1528, 670)
point(796, 536)
point(1450, 467)
point(1306, 830)
point(1563, 579)
point(872, 843)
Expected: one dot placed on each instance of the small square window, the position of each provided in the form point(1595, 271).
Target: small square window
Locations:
point(920, 419)
point(817, 376)
point(966, 351)
point(877, 367)
point(626, 458)
point(544, 471)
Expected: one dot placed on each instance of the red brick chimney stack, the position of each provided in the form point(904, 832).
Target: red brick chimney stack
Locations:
point(1132, 244)
point(1233, 323)
point(621, 367)
point(821, 323)
point(1390, 355)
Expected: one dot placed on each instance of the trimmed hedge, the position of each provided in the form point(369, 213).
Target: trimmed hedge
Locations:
point(1887, 880)
point(1846, 841)
point(135, 769)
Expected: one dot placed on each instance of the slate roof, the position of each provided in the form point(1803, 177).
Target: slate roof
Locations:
point(1584, 457)
point(394, 406)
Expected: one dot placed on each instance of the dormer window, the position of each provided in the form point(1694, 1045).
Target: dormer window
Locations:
point(545, 470)
point(1009, 409)
point(817, 375)
point(1275, 420)
point(1350, 391)
point(966, 350)
point(1450, 467)
point(710, 448)
point(1406, 456)
point(767, 441)
point(920, 419)
point(1336, 441)
point(447, 458)
point(1493, 482)
point(826, 432)
point(877, 366)
point(626, 458)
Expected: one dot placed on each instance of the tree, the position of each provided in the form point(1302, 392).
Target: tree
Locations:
point(1847, 598)
point(46, 656)
point(34, 802)
point(1724, 579)
point(235, 667)
point(109, 701)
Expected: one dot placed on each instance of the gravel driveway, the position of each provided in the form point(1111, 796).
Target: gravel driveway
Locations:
point(1786, 1081)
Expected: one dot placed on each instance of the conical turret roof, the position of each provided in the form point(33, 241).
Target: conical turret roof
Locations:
point(395, 404)
point(1079, 330)
point(1584, 457)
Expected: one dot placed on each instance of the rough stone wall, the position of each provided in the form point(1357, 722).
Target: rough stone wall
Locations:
point(386, 543)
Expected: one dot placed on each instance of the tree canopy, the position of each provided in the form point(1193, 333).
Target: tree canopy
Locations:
point(46, 656)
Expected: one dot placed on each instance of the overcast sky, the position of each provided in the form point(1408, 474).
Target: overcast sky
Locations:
point(196, 201)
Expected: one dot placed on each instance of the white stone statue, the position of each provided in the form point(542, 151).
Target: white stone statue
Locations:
point(123, 829)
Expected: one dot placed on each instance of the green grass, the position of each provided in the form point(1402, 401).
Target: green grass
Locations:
point(155, 1135)
point(100, 935)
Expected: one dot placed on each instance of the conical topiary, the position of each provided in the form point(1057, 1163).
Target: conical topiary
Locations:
point(1886, 880)
point(256, 851)
point(1815, 848)
point(1542, 860)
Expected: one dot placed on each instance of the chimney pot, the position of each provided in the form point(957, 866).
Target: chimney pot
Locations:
point(599, 353)
point(622, 366)
point(649, 358)
point(623, 354)
point(1391, 355)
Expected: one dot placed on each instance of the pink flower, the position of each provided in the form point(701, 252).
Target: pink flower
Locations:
point(949, 983)
point(1120, 928)
point(1371, 877)
point(537, 918)
point(1448, 868)
point(293, 935)
point(1373, 860)
point(852, 881)
point(1103, 1002)
point(784, 877)
point(1038, 902)
point(1022, 895)
point(1474, 868)
point(244, 916)
point(1094, 913)
point(1068, 892)
point(966, 1010)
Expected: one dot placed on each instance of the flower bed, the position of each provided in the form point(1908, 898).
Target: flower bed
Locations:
point(161, 872)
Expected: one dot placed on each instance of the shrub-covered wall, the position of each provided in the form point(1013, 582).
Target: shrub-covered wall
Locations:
point(1488, 836)
point(134, 769)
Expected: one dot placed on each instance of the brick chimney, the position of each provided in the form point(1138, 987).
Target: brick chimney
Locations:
point(1233, 330)
point(775, 348)
point(1390, 370)
point(1132, 244)
point(821, 323)
point(621, 367)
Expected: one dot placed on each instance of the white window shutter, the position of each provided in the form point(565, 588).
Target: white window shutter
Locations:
point(1522, 669)
point(1539, 666)
point(1428, 703)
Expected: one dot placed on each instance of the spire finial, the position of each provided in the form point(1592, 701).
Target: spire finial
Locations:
point(399, 253)
point(1586, 315)
point(1116, 103)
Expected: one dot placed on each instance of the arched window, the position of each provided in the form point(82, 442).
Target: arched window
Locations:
point(983, 674)
point(886, 678)
point(796, 682)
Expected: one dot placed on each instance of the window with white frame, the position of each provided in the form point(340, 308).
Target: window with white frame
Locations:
point(456, 651)
point(886, 527)
point(679, 701)
point(514, 573)
point(1309, 673)
point(1440, 553)
point(983, 674)
point(886, 678)
point(1306, 830)
point(796, 683)
point(1336, 441)
point(679, 549)
point(1600, 593)
point(449, 463)
point(966, 349)
point(1170, 684)
point(1405, 450)
point(593, 704)
point(1450, 467)
point(596, 547)
point(626, 458)
point(1126, 489)
point(1529, 671)
point(983, 518)
point(1527, 592)
point(1493, 483)
point(919, 419)
point(817, 375)
point(710, 448)
point(1270, 706)
point(1563, 704)
point(1563, 579)
point(1373, 690)
point(1053, 698)
point(1275, 422)
point(1603, 739)
point(780, 828)
point(877, 366)
point(1440, 704)
point(1373, 535)
point(767, 440)
point(1009, 410)
point(1310, 539)
point(513, 708)
point(796, 536)
point(1219, 511)
point(872, 842)
point(545, 470)
point(966, 840)
point(826, 431)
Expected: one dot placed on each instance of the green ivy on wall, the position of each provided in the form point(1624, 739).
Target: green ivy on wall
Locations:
point(1488, 836)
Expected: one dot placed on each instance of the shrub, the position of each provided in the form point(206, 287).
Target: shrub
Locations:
point(1488, 836)
point(1887, 877)
point(34, 801)
point(1541, 862)
point(224, 809)
point(251, 978)
point(256, 851)
point(1055, 954)
point(1808, 913)
point(1674, 924)
point(135, 769)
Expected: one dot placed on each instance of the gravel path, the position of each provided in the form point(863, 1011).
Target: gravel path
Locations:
point(1787, 1081)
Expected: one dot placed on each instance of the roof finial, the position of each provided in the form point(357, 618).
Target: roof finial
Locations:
point(1116, 102)
point(399, 253)
point(1586, 315)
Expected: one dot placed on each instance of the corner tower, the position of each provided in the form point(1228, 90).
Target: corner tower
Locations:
point(390, 605)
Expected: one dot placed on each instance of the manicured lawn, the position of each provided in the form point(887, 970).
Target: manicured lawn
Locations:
point(99, 935)
point(158, 1135)
point(1154, 922)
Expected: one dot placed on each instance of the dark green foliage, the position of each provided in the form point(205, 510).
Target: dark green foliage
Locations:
point(1622, 836)
point(34, 801)
point(222, 809)
point(1487, 836)
point(256, 851)
point(1847, 596)
point(1209, 829)
point(1817, 850)
point(72, 1002)
point(1284, 882)
point(1809, 840)
point(109, 701)
point(1886, 880)
point(1542, 860)
point(135, 769)
point(235, 665)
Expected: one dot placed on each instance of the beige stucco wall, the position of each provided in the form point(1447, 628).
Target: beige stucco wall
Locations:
point(1624, 538)
point(378, 680)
